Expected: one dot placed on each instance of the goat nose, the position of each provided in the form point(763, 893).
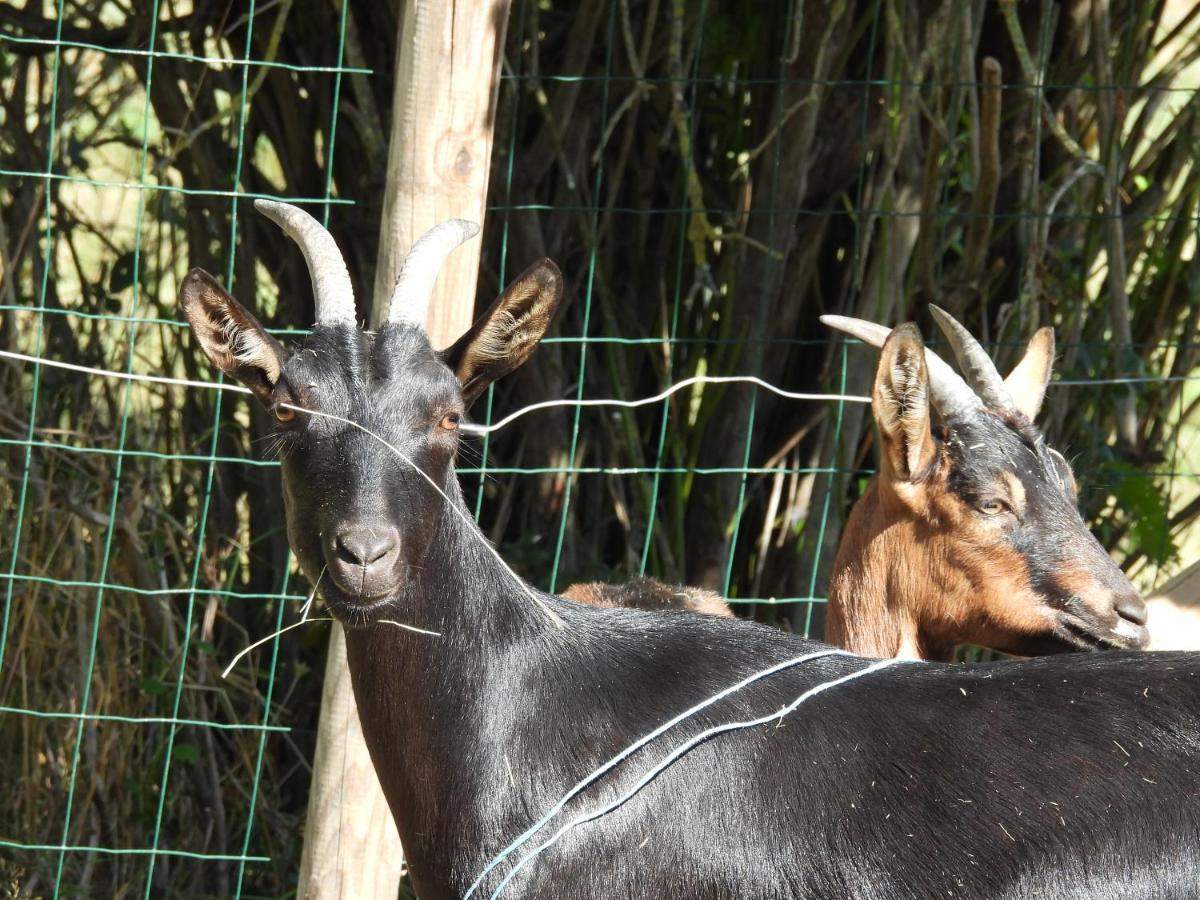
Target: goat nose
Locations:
point(366, 546)
point(1131, 608)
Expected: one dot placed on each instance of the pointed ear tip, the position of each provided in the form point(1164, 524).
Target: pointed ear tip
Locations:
point(906, 332)
point(903, 342)
point(191, 288)
point(548, 273)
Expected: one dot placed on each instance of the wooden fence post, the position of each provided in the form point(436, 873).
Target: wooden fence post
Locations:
point(447, 77)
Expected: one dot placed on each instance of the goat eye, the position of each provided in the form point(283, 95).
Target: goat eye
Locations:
point(284, 415)
point(449, 421)
point(991, 506)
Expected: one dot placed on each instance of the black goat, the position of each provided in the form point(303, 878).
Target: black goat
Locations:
point(1061, 777)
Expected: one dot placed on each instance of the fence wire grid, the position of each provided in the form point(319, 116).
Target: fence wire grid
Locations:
point(709, 179)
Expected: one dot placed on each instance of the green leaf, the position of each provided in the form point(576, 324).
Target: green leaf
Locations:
point(152, 686)
point(1143, 504)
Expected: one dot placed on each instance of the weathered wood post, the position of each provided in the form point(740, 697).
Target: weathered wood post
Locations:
point(447, 76)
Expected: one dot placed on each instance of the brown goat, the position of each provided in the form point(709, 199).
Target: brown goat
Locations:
point(970, 532)
point(648, 593)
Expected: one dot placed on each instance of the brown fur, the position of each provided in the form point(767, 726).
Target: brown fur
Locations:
point(648, 593)
point(916, 576)
point(922, 568)
point(228, 334)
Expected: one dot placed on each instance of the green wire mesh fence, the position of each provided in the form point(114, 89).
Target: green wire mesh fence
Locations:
point(709, 178)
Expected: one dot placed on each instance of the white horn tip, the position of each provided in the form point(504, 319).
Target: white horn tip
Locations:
point(867, 332)
point(838, 323)
point(941, 315)
point(469, 228)
point(272, 208)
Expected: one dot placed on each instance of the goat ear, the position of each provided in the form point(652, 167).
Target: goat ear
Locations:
point(1027, 382)
point(231, 338)
point(504, 336)
point(900, 402)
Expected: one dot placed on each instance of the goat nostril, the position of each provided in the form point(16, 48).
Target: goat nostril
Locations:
point(365, 546)
point(1132, 608)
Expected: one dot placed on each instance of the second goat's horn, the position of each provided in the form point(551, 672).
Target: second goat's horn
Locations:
point(974, 361)
point(951, 396)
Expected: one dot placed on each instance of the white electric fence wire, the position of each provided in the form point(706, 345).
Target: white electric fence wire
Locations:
point(467, 427)
point(637, 745)
point(475, 429)
point(312, 595)
point(233, 662)
point(305, 620)
point(126, 376)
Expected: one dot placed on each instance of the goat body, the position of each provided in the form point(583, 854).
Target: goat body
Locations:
point(1067, 776)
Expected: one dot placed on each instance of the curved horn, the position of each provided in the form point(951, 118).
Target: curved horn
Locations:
point(973, 360)
point(950, 395)
point(332, 290)
point(418, 272)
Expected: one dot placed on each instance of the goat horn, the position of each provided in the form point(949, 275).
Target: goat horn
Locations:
point(951, 396)
point(332, 290)
point(418, 272)
point(973, 360)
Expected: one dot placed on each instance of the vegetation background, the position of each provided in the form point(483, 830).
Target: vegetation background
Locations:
point(711, 176)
